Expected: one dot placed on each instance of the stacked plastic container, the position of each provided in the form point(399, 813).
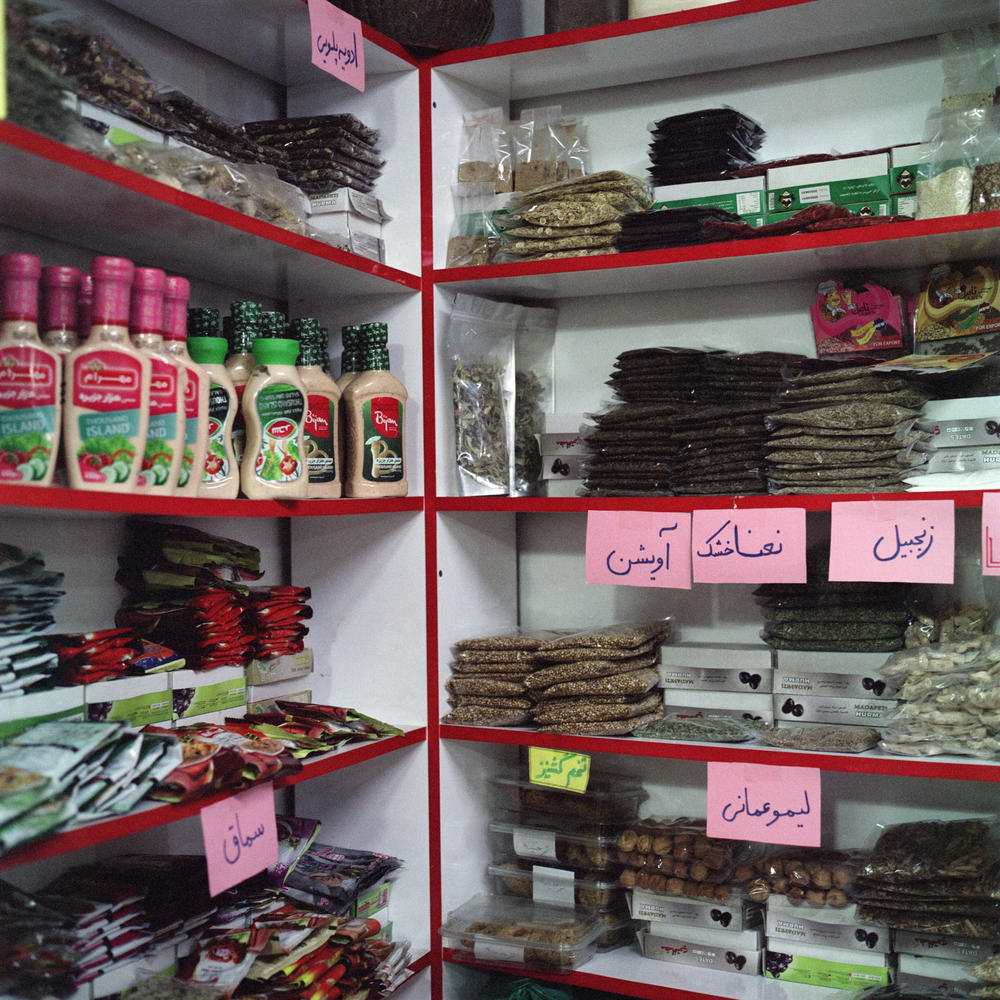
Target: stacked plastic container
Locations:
point(555, 896)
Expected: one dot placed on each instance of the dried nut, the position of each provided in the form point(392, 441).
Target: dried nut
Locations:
point(816, 897)
point(715, 859)
point(682, 870)
point(627, 878)
point(796, 895)
point(843, 876)
point(642, 880)
point(644, 843)
point(744, 873)
point(675, 886)
point(779, 885)
point(722, 893)
point(701, 847)
point(692, 890)
point(622, 856)
point(657, 883)
point(759, 889)
point(663, 844)
point(707, 890)
point(682, 852)
point(627, 839)
point(797, 874)
point(836, 898)
point(699, 871)
point(636, 860)
point(822, 878)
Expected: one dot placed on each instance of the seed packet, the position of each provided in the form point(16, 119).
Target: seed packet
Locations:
point(295, 836)
point(330, 878)
point(222, 961)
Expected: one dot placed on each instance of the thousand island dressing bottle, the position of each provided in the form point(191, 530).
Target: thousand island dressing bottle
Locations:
point(30, 396)
point(274, 409)
point(107, 389)
point(176, 292)
point(220, 475)
point(161, 462)
point(374, 404)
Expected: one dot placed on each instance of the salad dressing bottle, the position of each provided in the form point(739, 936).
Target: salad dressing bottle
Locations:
point(176, 292)
point(161, 462)
point(374, 406)
point(322, 427)
point(220, 473)
point(107, 389)
point(30, 376)
point(60, 292)
point(274, 408)
point(246, 318)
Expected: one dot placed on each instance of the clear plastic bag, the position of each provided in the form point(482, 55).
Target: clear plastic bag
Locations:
point(960, 140)
point(537, 149)
point(533, 392)
point(485, 157)
point(473, 240)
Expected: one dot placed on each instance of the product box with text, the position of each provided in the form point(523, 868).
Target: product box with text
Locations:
point(208, 695)
point(840, 968)
point(793, 709)
point(137, 701)
point(827, 926)
point(736, 916)
point(935, 975)
point(850, 180)
point(280, 668)
point(705, 956)
point(952, 423)
point(24, 711)
point(743, 196)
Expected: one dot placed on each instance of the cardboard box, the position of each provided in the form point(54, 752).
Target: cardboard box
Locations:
point(138, 701)
point(850, 180)
point(739, 196)
point(562, 466)
point(562, 487)
point(368, 246)
point(750, 939)
point(374, 899)
point(954, 949)
point(706, 679)
point(829, 685)
point(968, 422)
point(565, 443)
point(903, 204)
point(880, 207)
point(23, 711)
point(705, 956)
point(117, 129)
point(350, 202)
point(756, 705)
point(762, 716)
point(262, 699)
point(693, 913)
point(934, 974)
point(827, 927)
point(963, 459)
point(200, 694)
point(281, 668)
point(794, 709)
point(798, 660)
point(903, 161)
point(840, 968)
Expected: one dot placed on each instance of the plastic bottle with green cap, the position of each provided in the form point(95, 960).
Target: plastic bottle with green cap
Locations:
point(322, 427)
point(274, 410)
point(244, 328)
point(374, 405)
point(220, 475)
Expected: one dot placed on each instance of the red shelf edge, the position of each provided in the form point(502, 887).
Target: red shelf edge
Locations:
point(864, 763)
point(157, 815)
point(75, 159)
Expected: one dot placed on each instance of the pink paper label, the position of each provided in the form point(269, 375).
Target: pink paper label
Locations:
point(893, 541)
point(991, 534)
point(337, 47)
point(639, 549)
point(763, 802)
point(749, 546)
point(240, 836)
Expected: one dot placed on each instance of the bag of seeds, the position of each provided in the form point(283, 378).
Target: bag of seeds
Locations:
point(537, 149)
point(473, 239)
point(480, 351)
point(485, 157)
point(533, 393)
point(946, 164)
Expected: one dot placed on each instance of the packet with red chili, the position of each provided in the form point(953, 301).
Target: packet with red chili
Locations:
point(223, 960)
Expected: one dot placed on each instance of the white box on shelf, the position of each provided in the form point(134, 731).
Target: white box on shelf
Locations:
point(23, 711)
point(794, 709)
point(939, 974)
point(749, 939)
point(738, 679)
point(198, 694)
point(834, 928)
point(733, 701)
point(735, 916)
point(280, 668)
point(841, 968)
point(350, 202)
point(761, 714)
point(824, 662)
point(739, 195)
point(262, 697)
point(963, 422)
point(138, 701)
point(848, 180)
point(946, 946)
point(705, 956)
point(830, 685)
point(561, 466)
point(562, 487)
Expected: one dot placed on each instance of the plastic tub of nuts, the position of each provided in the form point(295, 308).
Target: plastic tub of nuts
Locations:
point(551, 883)
point(519, 934)
point(609, 797)
point(566, 844)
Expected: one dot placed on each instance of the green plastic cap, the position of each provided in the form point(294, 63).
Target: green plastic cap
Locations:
point(275, 351)
point(208, 350)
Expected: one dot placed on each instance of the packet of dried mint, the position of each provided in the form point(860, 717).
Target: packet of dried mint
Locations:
point(534, 354)
point(480, 350)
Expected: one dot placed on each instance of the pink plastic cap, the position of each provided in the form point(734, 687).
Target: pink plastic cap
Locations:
point(176, 294)
point(19, 274)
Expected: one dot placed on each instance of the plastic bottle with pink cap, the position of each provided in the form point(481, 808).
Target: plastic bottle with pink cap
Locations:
point(106, 415)
point(176, 293)
point(30, 372)
point(161, 460)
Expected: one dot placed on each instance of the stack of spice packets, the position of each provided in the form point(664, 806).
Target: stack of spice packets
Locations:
point(840, 428)
point(28, 592)
point(276, 615)
point(683, 884)
point(321, 153)
point(63, 773)
point(600, 681)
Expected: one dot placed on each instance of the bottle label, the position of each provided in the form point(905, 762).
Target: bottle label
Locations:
point(239, 427)
point(159, 453)
point(108, 384)
point(320, 442)
point(382, 418)
point(28, 380)
point(280, 409)
point(191, 392)
point(216, 459)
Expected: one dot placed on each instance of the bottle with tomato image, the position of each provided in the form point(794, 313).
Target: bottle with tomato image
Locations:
point(30, 377)
point(322, 425)
point(274, 408)
point(220, 473)
point(106, 416)
point(161, 460)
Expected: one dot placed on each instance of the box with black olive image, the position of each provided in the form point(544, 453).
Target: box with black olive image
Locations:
point(724, 951)
point(796, 709)
point(738, 915)
point(833, 685)
point(719, 667)
point(841, 968)
point(833, 927)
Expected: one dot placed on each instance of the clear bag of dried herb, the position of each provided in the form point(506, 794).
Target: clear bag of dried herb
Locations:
point(480, 355)
point(533, 393)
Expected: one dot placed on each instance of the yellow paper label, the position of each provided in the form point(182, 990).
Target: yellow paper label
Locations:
point(558, 769)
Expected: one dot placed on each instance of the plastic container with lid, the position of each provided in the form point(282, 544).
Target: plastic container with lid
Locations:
point(176, 292)
point(565, 843)
point(551, 882)
point(107, 389)
point(520, 934)
point(220, 473)
point(161, 460)
point(30, 378)
point(274, 409)
point(610, 797)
